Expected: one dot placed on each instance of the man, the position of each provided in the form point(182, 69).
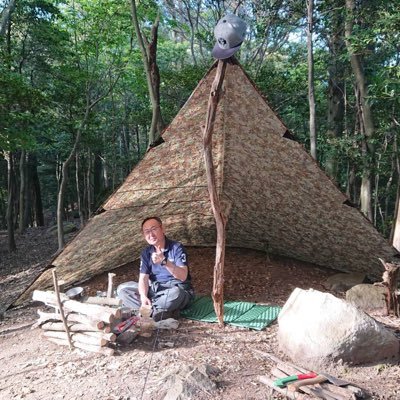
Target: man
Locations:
point(164, 279)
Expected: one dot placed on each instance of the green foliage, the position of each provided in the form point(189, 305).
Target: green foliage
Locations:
point(61, 56)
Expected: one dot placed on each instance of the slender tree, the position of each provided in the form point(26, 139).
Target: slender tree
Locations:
point(10, 201)
point(149, 57)
point(6, 16)
point(365, 114)
point(310, 63)
point(336, 92)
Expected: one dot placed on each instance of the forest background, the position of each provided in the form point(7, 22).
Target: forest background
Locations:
point(87, 86)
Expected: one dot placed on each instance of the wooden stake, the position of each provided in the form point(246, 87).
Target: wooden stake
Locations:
point(60, 307)
point(220, 218)
point(110, 285)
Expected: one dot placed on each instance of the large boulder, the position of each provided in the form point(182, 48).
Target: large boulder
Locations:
point(317, 328)
point(367, 297)
point(344, 281)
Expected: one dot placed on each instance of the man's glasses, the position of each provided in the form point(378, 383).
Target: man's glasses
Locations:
point(153, 229)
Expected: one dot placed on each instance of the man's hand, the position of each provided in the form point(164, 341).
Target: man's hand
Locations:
point(145, 301)
point(158, 256)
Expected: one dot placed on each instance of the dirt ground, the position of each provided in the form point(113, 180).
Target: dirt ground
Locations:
point(33, 368)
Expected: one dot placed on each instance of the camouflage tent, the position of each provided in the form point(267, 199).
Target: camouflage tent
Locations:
point(279, 200)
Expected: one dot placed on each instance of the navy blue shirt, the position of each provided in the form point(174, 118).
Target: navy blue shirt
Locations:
point(174, 252)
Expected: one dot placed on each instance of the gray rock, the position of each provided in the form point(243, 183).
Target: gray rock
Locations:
point(317, 328)
point(367, 297)
point(343, 281)
point(188, 382)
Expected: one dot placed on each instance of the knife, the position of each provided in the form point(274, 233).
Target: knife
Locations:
point(281, 382)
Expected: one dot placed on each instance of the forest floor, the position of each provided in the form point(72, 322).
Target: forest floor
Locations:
point(33, 368)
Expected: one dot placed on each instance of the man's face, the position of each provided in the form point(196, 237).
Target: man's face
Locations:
point(153, 232)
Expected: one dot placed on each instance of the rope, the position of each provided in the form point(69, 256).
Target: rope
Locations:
point(151, 354)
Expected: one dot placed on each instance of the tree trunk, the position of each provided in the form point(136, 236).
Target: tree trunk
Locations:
point(366, 113)
point(10, 202)
point(37, 195)
point(192, 31)
point(336, 92)
point(6, 16)
point(78, 190)
point(89, 196)
point(395, 232)
point(22, 191)
point(63, 184)
point(137, 141)
point(310, 62)
point(27, 217)
point(98, 186)
point(149, 56)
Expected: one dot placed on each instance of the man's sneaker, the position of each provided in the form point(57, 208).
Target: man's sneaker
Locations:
point(159, 315)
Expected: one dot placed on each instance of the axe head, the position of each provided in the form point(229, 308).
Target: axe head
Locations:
point(334, 380)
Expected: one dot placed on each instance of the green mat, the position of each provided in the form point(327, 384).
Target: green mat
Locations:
point(237, 313)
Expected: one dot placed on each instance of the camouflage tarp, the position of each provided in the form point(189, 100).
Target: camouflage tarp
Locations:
point(280, 201)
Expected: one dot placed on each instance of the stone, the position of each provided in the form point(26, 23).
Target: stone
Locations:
point(317, 328)
point(188, 382)
point(344, 281)
point(367, 297)
point(169, 323)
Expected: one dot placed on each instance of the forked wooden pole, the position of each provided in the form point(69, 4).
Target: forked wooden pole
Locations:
point(64, 320)
point(220, 218)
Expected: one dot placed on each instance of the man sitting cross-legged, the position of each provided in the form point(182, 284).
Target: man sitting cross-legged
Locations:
point(164, 280)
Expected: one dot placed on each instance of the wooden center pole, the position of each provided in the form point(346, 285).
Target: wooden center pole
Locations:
point(220, 218)
point(64, 320)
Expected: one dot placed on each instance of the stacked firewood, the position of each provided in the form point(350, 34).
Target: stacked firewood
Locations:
point(86, 324)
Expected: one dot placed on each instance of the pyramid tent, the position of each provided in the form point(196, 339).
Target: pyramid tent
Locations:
point(279, 200)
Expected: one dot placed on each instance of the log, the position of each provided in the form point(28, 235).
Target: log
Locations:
point(71, 317)
point(73, 327)
point(88, 339)
point(111, 337)
point(77, 337)
point(96, 349)
point(87, 330)
point(103, 313)
point(47, 296)
point(284, 391)
point(109, 301)
point(87, 320)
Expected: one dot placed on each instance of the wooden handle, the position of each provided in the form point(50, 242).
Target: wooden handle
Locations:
point(294, 387)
